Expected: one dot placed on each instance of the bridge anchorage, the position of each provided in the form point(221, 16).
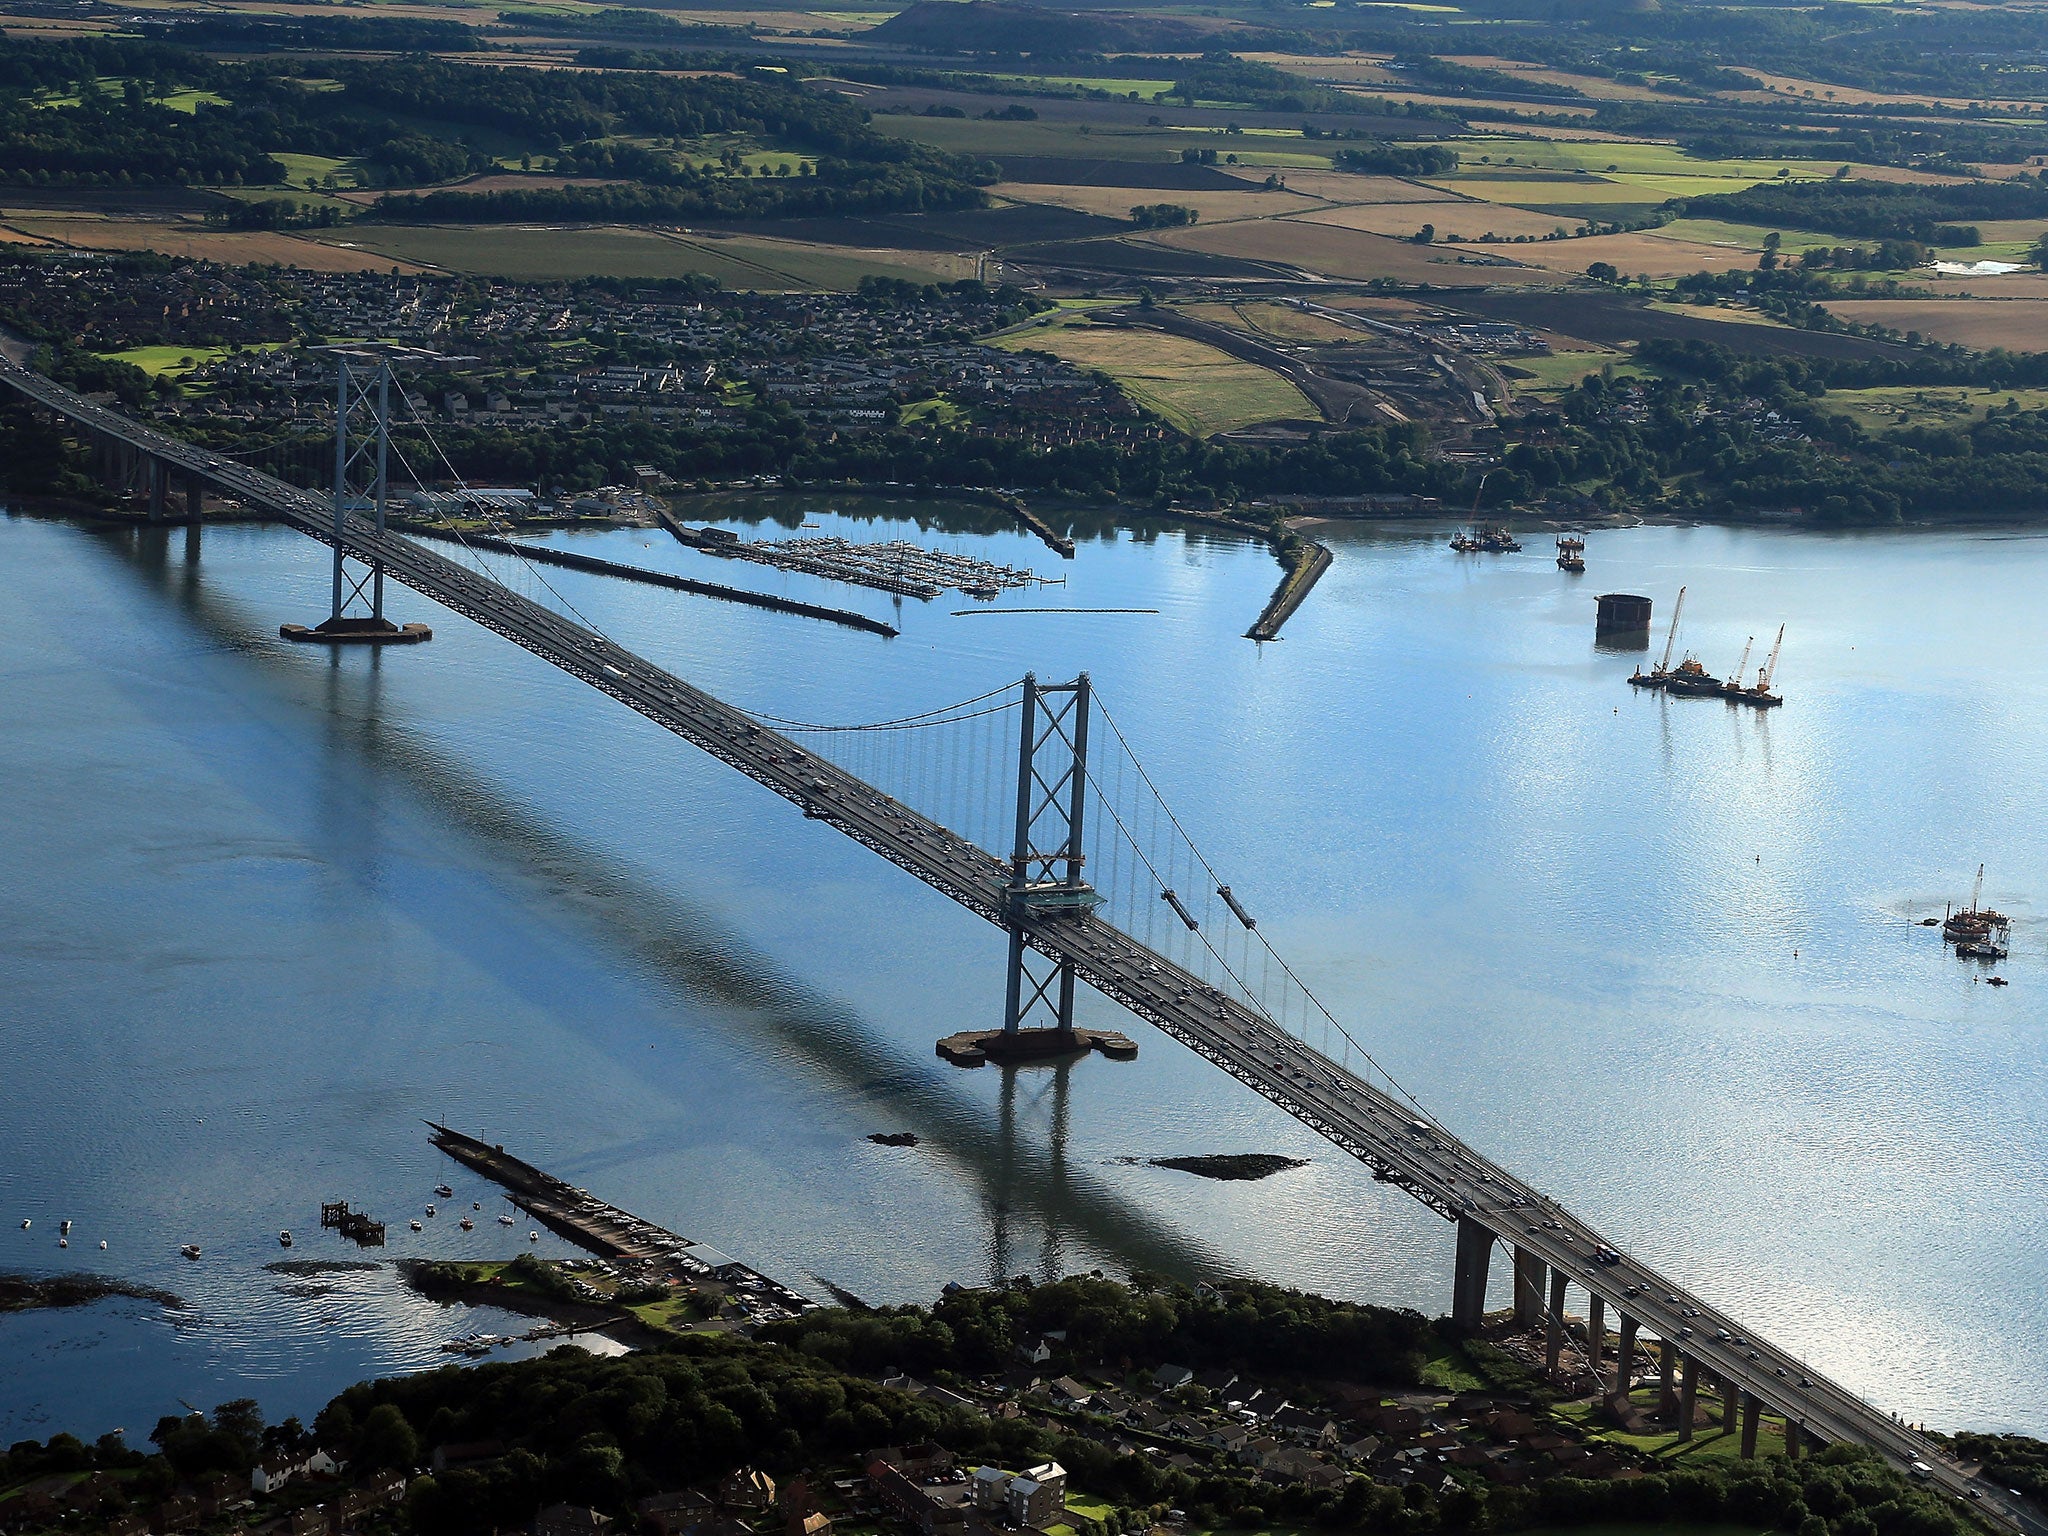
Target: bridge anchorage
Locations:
point(361, 483)
point(1045, 885)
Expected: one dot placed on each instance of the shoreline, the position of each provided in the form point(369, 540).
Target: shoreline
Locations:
point(27, 1293)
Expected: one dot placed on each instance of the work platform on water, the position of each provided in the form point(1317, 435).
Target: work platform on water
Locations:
point(1550, 1249)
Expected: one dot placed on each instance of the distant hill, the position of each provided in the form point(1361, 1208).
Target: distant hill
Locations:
point(1003, 26)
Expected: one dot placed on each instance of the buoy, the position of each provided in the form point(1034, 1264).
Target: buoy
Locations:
point(63, 1242)
point(103, 1245)
point(25, 1223)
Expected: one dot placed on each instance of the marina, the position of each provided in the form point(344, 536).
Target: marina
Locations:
point(895, 565)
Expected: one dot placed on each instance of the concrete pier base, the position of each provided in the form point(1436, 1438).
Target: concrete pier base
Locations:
point(1751, 1411)
point(1792, 1440)
point(357, 632)
point(978, 1047)
point(1729, 1394)
point(1667, 1378)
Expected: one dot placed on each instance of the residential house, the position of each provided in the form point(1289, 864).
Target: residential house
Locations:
point(1069, 1393)
point(180, 1512)
point(1216, 1383)
point(921, 1462)
point(1306, 1428)
point(1360, 1450)
point(672, 1514)
point(1170, 1378)
point(747, 1489)
point(570, 1520)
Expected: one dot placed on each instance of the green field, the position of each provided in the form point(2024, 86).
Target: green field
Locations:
point(1556, 373)
point(1192, 385)
point(304, 170)
point(177, 361)
point(1887, 409)
point(1638, 159)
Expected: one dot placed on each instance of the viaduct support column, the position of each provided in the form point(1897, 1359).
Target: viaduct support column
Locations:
point(1468, 1289)
point(1667, 1378)
point(1528, 1288)
point(1750, 1410)
point(158, 475)
point(1553, 1342)
point(1792, 1446)
point(1688, 1398)
point(1596, 1329)
point(1729, 1393)
point(195, 499)
point(1625, 1355)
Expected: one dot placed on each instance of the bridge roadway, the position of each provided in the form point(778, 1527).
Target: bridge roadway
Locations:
point(1400, 1147)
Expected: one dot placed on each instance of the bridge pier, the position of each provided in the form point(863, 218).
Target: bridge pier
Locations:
point(1688, 1398)
point(1553, 1341)
point(157, 475)
point(1751, 1411)
point(1729, 1395)
point(1528, 1288)
point(1596, 1329)
point(195, 499)
point(1468, 1285)
point(1625, 1355)
point(1793, 1437)
point(1667, 1377)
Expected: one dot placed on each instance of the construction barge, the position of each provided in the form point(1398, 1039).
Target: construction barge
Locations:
point(625, 1240)
point(1691, 680)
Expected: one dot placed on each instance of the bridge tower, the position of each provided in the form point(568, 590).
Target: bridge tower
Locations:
point(1047, 884)
point(362, 446)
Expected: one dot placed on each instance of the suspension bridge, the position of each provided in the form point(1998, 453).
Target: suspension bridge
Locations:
point(1071, 851)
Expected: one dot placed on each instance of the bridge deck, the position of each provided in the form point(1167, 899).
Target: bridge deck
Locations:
point(1431, 1164)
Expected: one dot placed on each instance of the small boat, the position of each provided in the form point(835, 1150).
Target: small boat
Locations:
point(103, 1245)
point(190, 1250)
point(533, 1237)
point(432, 1212)
point(64, 1228)
point(1689, 679)
point(1981, 949)
point(1994, 981)
point(467, 1225)
point(27, 1222)
point(1571, 552)
point(63, 1242)
point(1930, 922)
point(476, 1205)
point(504, 1221)
point(1464, 543)
point(284, 1239)
point(415, 1225)
point(445, 1191)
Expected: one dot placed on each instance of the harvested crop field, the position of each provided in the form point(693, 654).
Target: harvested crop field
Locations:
point(974, 230)
point(1141, 258)
point(2018, 325)
point(1466, 220)
point(231, 247)
point(1350, 186)
point(1348, 254)
point(1609, 319)
point(1641, 255)
point(609, 251)
point(1197, 388)
point(1117, 202)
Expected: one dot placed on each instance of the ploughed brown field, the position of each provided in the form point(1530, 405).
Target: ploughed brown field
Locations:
point(2018, 325)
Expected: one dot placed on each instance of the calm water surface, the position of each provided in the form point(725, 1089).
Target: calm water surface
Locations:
point(266, 909)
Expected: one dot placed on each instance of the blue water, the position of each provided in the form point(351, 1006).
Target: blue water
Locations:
point(267, 909)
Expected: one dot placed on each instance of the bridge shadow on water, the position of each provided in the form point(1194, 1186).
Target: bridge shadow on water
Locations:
point(1018, 1168)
